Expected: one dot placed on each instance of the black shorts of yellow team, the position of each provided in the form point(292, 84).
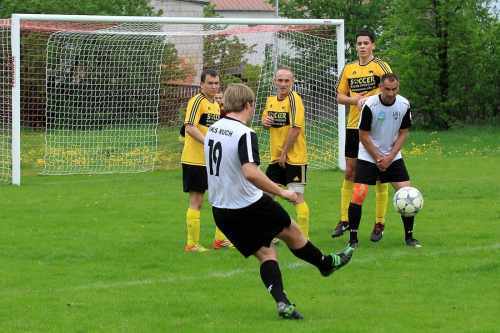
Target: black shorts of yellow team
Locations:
point(252, 227)
point(351, 147)
point(368, 173)
point(289, 174)
point(194, 178)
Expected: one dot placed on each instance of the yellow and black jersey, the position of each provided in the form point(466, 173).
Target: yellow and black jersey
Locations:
point(356, 79)
point(287, 113)
point(201, 113)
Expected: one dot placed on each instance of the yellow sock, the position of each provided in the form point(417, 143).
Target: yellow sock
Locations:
point(381, 199)
point(193, 226)
point(345, 199)
point(302, 211)
point(218, 234)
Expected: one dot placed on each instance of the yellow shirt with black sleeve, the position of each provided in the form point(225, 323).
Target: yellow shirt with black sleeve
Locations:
point(287, 113)
point(357, 79)
point(200, 113)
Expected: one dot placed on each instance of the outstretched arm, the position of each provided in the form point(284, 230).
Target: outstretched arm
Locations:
point(254, 175)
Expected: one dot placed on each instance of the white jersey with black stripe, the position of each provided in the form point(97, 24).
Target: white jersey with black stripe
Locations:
point(383, 122)
point(228, 145)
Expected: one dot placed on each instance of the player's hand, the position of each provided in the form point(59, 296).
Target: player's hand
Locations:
point(361, 100)
point(289, 195)
point(268, 121)
point(282, 160)
point(384, 162)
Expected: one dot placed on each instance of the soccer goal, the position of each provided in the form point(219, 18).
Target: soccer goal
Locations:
point(109, 93)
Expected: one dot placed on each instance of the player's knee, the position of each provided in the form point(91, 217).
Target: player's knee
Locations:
point(266, 253)
point(196, 200)
point(349, 173)
point(359, 193)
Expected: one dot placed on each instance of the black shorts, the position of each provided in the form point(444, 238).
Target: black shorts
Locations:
point(289, 174)
point(351, 147)
point(254, 226)
point(368, 173)
point(194, 178)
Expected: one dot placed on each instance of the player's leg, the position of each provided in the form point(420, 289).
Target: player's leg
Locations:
point(194, 183)
point(221, 241)
point(351, 153)
point(307, 251)
point(296, 181)
point(408, 221)
point(398, 175)
point(381, 199)
point(366, 174)
point(278, 175)
point(270, 274)
point(193, 217)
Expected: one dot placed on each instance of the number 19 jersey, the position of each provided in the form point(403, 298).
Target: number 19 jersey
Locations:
point(228, 145)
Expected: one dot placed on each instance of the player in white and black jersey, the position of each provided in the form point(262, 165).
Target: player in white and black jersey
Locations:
point(383, 129)
point(241, 209)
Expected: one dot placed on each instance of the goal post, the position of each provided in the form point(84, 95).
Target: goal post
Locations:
point(107, 80)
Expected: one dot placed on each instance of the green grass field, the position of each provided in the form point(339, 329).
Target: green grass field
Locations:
point(105, 254)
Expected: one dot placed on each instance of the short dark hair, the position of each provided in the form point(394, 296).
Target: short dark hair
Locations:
point(366, 33)
point(389, 77)
point(209, 72)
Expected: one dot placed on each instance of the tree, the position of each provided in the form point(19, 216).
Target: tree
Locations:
point(357, 15)
point(227, 54)
point(87, 7)
point(444, 52)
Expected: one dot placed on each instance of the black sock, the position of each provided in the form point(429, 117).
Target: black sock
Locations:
point(354, 219)
point(271, 276)
point(408, 225)
point(311, 254)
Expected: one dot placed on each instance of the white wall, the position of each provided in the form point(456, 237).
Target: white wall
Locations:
point(188, 46)
point(263, 38)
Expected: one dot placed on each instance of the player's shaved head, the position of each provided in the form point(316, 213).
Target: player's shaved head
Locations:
point(285, 69)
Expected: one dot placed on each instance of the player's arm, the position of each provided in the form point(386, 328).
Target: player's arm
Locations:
point(297, 121)
point(344, 93)
point(292, 136)
point(349, 100)
point(255, 176)
point(404, 131)
point(364, 137)
point(195, 133)
point(365, 124)
point(193, 114)
point(248, 152)
point(267, 121)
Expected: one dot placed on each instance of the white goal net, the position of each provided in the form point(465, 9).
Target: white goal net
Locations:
point(5, 103)
point(109, 97)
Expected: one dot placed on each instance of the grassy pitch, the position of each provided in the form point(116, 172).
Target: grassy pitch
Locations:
point(105, 254)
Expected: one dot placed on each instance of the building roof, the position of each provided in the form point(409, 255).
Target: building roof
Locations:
point(243, 5)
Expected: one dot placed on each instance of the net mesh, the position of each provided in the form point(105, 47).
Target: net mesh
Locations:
point(110, 97)
point(5, 105)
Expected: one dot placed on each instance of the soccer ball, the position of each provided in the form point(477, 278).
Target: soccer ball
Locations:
point(408, 201)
